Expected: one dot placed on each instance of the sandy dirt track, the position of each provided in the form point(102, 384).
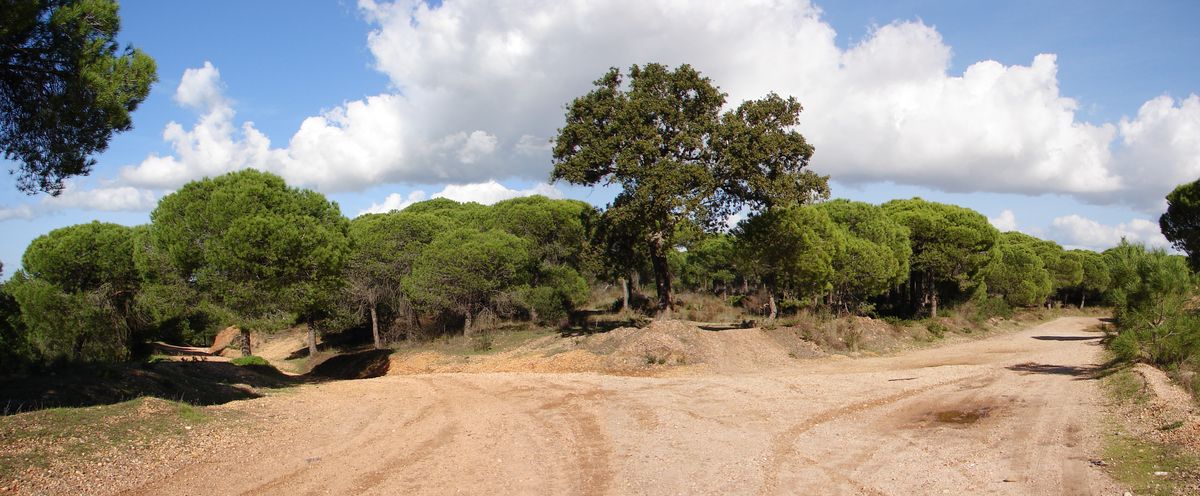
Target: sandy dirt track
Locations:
point(1012, 414)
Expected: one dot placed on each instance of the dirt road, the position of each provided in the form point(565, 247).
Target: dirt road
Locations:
point(1012, 414)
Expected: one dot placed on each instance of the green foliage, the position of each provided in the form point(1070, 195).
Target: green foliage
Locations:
point(709, 263)
point(790, 249)
point(677, 160)
point(560, 290)
point(1151, 292)
point(252, 360)
point(468, 214)
point(558, 230)
point(465, 270)
point(951, 245)
point(1180, 224)
point(83, 257)
point(65, 87)
point(384, 248)
point(937, 329)
point(1096, 278)
point(76, 292)
point(876, 255)
point(15, 351)
point(249, 244)
point(1018, 275)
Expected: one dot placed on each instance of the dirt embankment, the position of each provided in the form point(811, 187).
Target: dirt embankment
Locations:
point(661, 348)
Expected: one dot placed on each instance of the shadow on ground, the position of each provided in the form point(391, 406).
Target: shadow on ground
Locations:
point(1068, 338)
point(194, 382)
point(1081, 373)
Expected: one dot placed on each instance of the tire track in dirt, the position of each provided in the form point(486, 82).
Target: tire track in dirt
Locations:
point(823, 426)
point(592, 445)
point(783, 445)
point(366, 436)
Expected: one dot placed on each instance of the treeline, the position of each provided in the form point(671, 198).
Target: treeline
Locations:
point(245, 249)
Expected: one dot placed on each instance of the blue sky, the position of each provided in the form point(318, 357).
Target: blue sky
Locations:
point(379, 104)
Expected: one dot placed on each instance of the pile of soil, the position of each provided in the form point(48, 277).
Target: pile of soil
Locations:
point(662, 347)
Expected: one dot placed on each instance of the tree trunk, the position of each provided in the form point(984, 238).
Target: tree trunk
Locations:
point(312, 340)
point(662, 274)
point(245, 342)
point(375, 328)
point(1082, 299)
point(773, 309)
point(933, 298)
point(624, 294)
point(467, 324)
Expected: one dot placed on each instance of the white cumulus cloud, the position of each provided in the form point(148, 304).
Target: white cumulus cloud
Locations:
point(21, 211)
point(104, 198)
point(486, 193)
point(479, 89)
point(491, 192)
point(1077, 231)
point(394, 201)
point(1006, 221)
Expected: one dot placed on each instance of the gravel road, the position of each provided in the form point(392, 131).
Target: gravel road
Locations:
point(1011, 414)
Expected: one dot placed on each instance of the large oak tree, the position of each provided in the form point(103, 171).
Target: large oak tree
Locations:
point(662, 137)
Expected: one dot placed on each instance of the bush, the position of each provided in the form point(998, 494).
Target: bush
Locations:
point(252, 360)
point(1125, 347)
point(991, 307)
point(937, 329)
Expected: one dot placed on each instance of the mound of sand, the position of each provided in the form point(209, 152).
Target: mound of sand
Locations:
point(662, 347)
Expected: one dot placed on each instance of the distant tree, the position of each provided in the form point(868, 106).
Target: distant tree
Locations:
point(384, 249)
point(876, 255)
point(558, 231)
point(1018, 274)
point(790, 249)
point(464, 271)
point(75, 292)
point(1065, 268)
point(621, 255)
point(559, 291)
point(65, 87)
point(15, 351)
point(663, 139)
point(709, 264)
point(950, 244)
point(251, 245)
point(469, 214)
point(1181, 222)
point(1096, 278)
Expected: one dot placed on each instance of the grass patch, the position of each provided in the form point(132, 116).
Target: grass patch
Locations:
point(1144, 466)
point(1134, 462)
point(1126, 386)
point(76, 435)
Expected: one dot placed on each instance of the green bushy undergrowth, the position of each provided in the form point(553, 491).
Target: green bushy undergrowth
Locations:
point(252, 360)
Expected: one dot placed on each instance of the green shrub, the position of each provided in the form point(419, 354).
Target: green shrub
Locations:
point(250, 360)
point(937, 329)
point(1125, 347)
